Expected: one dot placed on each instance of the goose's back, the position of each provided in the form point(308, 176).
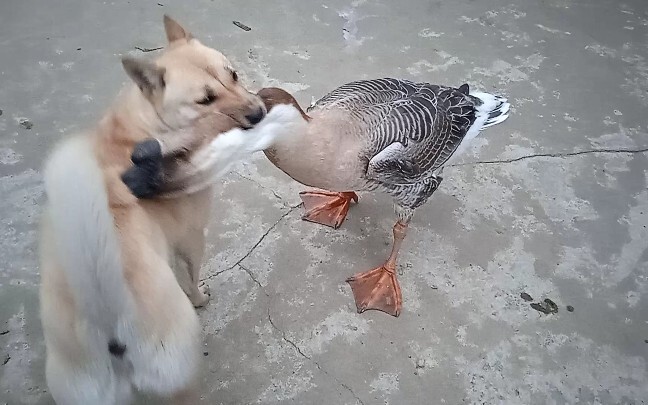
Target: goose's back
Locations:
point(428, 120)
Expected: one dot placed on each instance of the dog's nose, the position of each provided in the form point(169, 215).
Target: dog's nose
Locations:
point(256, 117)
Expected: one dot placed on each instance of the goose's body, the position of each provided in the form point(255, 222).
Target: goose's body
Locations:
point(386, 134)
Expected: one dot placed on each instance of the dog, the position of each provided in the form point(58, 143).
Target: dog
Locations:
point(116, 318)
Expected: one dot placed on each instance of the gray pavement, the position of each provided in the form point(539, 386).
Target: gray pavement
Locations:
point(557, 208)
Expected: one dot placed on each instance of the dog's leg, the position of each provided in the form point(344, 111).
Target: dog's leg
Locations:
point(191, 250)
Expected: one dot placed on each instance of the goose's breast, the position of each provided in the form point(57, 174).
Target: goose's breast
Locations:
point(330, 157)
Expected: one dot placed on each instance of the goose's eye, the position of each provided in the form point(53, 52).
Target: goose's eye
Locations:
point(209, 98)
point(235, 76)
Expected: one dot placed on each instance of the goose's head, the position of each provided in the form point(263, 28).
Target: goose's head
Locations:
point(272, 96)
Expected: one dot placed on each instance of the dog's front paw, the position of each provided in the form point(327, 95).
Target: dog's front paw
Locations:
point(145, 177)
point(141, 182)
point(146, 151)
point(202, 296)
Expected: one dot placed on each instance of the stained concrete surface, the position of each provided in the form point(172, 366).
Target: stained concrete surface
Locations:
point(558, 207)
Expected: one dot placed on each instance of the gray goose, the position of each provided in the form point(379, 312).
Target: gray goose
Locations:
point(388, 135)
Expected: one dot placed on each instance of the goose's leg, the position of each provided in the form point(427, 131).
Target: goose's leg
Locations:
point(379, 288)
point(327, 207)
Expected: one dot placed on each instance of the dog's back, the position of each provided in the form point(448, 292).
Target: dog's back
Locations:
point(86, 240)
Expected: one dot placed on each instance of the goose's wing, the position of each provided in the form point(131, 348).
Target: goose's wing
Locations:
point(369, 98)
point(416, 134)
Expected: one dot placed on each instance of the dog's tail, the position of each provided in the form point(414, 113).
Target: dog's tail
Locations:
point(85, 237)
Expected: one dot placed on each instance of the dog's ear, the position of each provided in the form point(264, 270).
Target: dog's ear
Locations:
point(147, 75)
point(174, 31)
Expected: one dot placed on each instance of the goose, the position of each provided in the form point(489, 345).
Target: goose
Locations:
point(383, 135)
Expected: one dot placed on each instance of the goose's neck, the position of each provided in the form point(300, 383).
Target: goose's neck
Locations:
point(291, 139)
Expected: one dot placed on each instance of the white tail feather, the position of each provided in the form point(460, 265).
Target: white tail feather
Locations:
point(493, 110)
point(84, 234)
point(494, 107)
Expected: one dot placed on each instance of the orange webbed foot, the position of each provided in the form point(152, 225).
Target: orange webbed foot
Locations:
point(327, 207)
point(377, 289)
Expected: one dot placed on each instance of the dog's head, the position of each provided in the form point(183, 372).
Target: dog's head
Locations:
point(193, 87)
point(192, 94)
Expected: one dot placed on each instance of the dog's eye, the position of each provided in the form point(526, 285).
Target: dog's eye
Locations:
point(209, 98)
point(235, 76)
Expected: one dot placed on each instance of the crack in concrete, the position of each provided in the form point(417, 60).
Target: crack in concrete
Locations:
point(145, 50)
point(258, 242)
point(213, 275)
point(290, 342)
point(279, 197)
point(553, 155)
point(266, 233)
point(293, 344)
point(249, 273)
point(304, 355)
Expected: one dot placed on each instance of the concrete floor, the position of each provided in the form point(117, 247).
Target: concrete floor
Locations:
point(557, 205)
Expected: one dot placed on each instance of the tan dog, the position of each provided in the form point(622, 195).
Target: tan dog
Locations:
point(114, 315)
